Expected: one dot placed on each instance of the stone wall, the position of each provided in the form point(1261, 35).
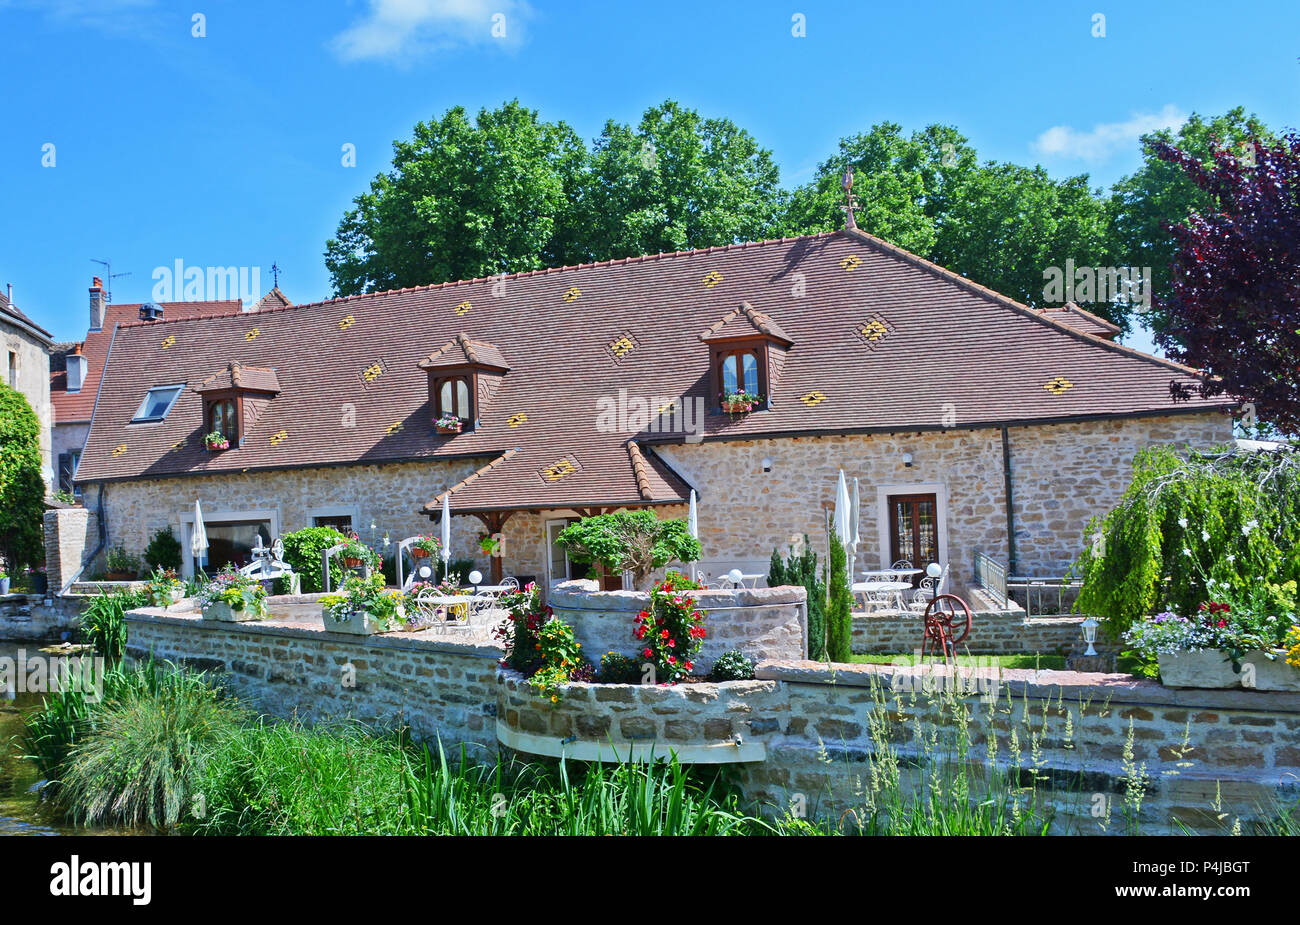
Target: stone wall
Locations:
point(440, 688)
point(993, 632)
point(71, 533)
point(26, 618)
point(762, 623)
point(802, 734)
point(1062, 476)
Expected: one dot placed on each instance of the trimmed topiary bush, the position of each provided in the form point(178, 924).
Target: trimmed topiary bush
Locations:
point(163, 551)
point(635, 541)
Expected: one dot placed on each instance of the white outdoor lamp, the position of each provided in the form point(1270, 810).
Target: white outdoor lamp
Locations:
point(476, 578)
point(1090, 634)
point(735, 576)
point(425, 572)
point(934, 570)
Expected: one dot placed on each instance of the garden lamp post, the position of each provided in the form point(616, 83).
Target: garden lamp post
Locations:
point(1090, 634)
point(934, 570)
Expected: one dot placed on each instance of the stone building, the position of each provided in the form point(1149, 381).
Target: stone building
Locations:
point(75, 368)
point(972, 422)
point(27, 368)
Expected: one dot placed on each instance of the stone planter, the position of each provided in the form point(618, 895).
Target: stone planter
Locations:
point(223, 612)
point(4, 586)
point(1269, 674)
point(1207, 669)
point(355, 622)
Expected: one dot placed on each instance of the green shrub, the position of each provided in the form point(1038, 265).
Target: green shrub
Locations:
point(22, 488)
point(144, 748)
point(619, 669)
point(103, 622)
point(801, 569)
point(1187, 519)
point(163, 551)
point(303, 550)
point(119, 560)
point(839, 613)
point(732, 665)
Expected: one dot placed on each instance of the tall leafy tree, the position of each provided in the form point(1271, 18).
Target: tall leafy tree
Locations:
point(676, 181)
point(1142, 206)
point(22, 490)
point(1233, 309)
point(463, 199)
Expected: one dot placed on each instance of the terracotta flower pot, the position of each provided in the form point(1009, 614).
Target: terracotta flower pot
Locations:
point(736, 407)
point(448, 429)
point(352, 563)
point(418, 553)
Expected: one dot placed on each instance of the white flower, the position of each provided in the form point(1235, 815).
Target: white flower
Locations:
point(1249, 525)
point(1205, 535)
point(1182, 522)
point(1231, 558)
point(1186, 551)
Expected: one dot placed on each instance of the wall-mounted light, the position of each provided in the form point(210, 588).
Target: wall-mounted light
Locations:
point(907, 460)
point(767, 463)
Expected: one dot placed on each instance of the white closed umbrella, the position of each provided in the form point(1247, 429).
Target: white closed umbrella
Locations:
point(693, 518)
point(855, 531)
point(841, 520)
point(198, 537)
point(446, 532)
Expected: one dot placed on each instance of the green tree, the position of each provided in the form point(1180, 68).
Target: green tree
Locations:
point(22, 490)
point(463, 199)
point(636, 541)
point(839, 614)
point(303, 550)
point(801, 569)
point(1142, 206)
point(163, 551)
point(676, 181)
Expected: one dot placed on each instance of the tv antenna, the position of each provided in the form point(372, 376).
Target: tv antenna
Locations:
point(109, 276)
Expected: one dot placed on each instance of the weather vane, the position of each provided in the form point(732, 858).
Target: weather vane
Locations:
point(850, 201)
point(275, 272)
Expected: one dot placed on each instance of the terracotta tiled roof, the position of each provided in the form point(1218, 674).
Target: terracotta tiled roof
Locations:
point(237, 376)
point(273, 299)
point(745, 321)
point(593, 343)
point(75, 407)
point(1082, 320)
point(461, 351)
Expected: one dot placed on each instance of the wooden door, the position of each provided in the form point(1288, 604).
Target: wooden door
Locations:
point(914, 530)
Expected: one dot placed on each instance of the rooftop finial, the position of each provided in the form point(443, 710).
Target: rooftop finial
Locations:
point(275, 272)
point(850, 201)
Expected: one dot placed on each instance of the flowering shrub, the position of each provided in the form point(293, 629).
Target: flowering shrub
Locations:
point(670, 632)
point(234, 589)
point(1293, 646)
point(561, 659)
point(162, 583)
point(386, 606)
point(519, 631)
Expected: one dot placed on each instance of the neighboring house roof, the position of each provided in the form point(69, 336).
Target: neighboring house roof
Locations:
point(273, 299)
point(75, 407)
point(581, 339)
point(15, 315)
point(1082, 320)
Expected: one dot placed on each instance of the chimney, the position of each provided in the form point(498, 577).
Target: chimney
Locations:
point(76, 364)
point(97, 304)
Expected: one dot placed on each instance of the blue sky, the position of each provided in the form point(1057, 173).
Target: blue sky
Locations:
point(226, 149)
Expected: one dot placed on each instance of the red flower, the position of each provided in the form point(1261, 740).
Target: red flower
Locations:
point(647, 653)
point(672, 659)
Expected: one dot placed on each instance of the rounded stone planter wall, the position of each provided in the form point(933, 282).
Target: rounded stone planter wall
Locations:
point(763, 623)
point(700, 723)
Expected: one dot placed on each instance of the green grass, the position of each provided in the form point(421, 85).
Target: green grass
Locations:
point(1037, 662)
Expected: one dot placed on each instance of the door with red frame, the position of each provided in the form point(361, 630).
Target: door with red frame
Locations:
point(914, 531)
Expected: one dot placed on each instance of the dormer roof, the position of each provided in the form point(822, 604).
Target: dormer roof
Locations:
point(462, 351)
point(242, 378)
point(745, 321)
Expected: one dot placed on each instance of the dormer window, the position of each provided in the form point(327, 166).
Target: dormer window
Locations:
point(157, 403)
point(464, 375)
point(453, 397)
point(747, 352)
point(234, 399)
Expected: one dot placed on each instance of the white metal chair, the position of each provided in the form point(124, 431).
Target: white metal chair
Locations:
point(929, 588)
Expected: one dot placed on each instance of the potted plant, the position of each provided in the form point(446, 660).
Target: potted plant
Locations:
point(216, 441)
point(489, 544)
point(356, 553)
point(121, 565)
point(364, 607)
point(449, 424)
point(232, 597)
point(1240, 642)
point(40, 581)
point(739, 402)
point(422, 547)
point(165, 588)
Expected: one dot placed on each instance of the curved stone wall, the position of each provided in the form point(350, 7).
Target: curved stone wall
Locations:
point(763, 623)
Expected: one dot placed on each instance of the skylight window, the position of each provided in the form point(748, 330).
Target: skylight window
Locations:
point(157, 403)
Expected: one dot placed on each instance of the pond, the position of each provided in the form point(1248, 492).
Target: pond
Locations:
point(21, 812)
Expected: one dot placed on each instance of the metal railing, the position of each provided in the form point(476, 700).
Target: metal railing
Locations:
point(1044, 595)
point(991, 576)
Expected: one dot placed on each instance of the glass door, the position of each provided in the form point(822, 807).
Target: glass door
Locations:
point(914, 530)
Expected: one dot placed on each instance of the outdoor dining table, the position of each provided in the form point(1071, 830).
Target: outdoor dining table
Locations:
point(451, 600)
point(894, 589)
point(747, 581)
point(888, 574)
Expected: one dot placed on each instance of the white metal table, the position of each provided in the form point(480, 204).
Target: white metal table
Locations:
point(893, 589)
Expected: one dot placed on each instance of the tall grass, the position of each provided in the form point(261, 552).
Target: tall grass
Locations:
point(139, 751)
point(103, 622)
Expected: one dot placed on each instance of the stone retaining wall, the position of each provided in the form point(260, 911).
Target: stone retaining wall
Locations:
point(440, 687)
point(763, 623)
point(27, 618)
point(993, 632)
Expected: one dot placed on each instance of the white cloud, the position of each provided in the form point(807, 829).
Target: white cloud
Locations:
point(399, 30)
point(1103, 139)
